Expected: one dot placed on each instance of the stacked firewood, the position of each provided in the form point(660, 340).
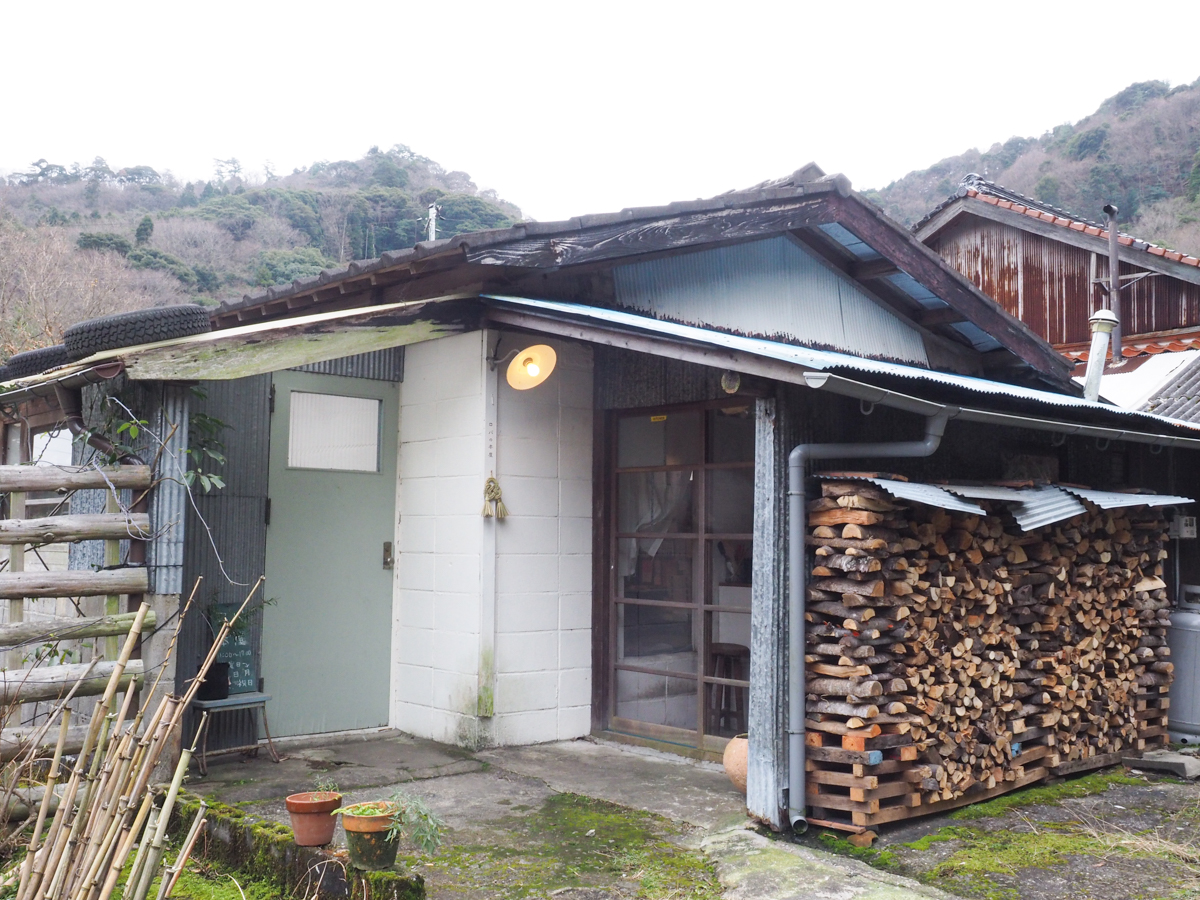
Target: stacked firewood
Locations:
point(983, 647)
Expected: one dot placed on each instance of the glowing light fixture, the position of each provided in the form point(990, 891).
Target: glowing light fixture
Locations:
point(531, 366)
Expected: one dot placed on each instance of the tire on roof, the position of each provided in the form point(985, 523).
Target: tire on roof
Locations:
point(34, 362)
point(142, 326)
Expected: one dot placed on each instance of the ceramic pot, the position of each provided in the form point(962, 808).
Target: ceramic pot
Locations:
point(313, 821)
point(367, 839)
point(735, 760)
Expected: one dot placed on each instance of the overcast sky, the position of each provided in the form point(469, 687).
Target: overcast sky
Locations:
point(568, 107)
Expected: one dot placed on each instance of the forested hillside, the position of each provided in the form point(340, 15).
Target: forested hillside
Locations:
point(1140, 149)
point(80, 241)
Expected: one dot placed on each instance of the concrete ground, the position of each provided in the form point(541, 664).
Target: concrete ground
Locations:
point(575, 820)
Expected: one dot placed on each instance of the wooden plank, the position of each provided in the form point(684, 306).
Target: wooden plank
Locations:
point(836, 825)
point(73, 583)
point(53, 682)
point(72, 478)
point(882, 791)
point(70, 628)
point(838, 755)
point(843, 779)
point(1100, 761)
point(65, 529)
point(896, 814)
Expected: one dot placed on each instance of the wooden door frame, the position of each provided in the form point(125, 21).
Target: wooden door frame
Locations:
point(604, 432)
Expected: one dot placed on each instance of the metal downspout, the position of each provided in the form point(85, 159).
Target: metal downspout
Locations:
point(935, 427)
point(70, 401)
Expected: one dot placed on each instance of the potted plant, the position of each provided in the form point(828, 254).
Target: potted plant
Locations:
point(312, 813)
point(374, 829)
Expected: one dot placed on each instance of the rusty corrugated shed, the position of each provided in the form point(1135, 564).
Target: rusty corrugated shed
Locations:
point(1048, 285)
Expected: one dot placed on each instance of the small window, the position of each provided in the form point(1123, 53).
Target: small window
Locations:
point(331, 432)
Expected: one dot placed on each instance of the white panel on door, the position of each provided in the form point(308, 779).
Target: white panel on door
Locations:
point(328, 431)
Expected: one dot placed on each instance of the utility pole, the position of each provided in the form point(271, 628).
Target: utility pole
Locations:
point(1114, 279)
point(433, 214)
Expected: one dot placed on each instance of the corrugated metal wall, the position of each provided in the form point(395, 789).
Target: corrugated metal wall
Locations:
point(769, 288)
point(228, 548)
point(379, 365)
point(1047, 283)
point(168, 503)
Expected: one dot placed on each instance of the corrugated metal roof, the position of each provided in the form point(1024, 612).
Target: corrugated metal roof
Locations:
point(828, 360)
point(914, 491)
point(1031, 507)
point(852, 242)
point(773, 287)
point(1120, 500)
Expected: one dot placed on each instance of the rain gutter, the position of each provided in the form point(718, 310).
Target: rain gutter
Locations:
point(935, 427)
point(848, 387)
point(45, 387)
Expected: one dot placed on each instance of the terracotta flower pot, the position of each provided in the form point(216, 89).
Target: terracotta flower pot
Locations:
point(735, 760)
point(313, 821)
point(367, 838)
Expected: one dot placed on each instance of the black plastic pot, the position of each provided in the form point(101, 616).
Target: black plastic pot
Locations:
point(215, 685)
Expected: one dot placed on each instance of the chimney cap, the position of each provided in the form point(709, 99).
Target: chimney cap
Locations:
point(1103, 320)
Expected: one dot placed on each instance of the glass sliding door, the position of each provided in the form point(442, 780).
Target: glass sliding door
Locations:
point(681, 560)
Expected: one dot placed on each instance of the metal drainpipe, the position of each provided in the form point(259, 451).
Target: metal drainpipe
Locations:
point(935, 427)
point(70, 401)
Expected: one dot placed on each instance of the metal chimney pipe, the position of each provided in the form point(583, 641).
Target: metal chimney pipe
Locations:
point(1114, 278)
point(1103, 322)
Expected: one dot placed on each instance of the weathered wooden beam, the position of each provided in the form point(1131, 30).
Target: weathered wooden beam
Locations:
point(53, 682)
point(71, 478)
point(626, 237)
point(15, 585)
point(942, 315)
point(70, 628)
point(17, 741)
point(63, 529)
point(895, 243)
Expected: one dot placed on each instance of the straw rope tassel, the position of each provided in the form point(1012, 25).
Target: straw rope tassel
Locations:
point(492, 494)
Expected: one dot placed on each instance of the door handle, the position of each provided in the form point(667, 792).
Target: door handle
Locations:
point(388, 560)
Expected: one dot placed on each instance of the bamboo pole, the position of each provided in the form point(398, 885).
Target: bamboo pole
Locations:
point(171, 873)
point(100, 714)
point(158, 845)
point(51, 781)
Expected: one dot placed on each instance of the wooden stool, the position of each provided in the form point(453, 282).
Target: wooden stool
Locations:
point(727, 702)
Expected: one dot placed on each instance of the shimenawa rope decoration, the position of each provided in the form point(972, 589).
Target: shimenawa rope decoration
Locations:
point(491, 494)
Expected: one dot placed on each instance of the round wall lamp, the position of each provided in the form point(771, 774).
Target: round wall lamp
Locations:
point(531, 366)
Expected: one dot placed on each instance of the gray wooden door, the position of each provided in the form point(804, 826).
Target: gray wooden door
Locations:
point(327, 629)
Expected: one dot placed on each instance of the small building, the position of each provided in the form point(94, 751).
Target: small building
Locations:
point(1049, 268)
point(533, 484)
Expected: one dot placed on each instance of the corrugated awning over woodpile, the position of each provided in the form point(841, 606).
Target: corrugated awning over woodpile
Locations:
point(1032, 507)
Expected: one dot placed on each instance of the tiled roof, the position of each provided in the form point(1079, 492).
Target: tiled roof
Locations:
point(1179, 398)
point(979, 189)
point(1140, 345)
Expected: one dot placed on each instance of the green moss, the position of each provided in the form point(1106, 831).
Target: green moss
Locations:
point(949, 833)
point(1081, 786)
point(572, 841)
point(880, 859)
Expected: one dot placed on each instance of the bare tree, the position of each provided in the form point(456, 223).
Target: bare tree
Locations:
point(46, 285)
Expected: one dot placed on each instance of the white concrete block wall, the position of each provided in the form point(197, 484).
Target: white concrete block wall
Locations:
point(543, 577)
point(544, 554)
point(436, 607)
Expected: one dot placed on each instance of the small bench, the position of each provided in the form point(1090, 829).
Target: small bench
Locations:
point(249, 700)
